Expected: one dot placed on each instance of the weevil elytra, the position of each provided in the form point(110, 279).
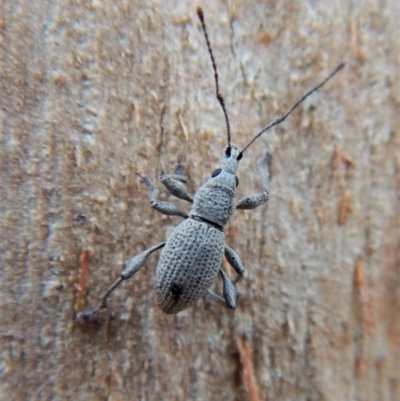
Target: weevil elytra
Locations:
point(192, 256)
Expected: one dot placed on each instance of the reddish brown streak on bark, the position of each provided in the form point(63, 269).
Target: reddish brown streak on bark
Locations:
point(248, 371)
point(340, 165)
point(80, 299)
point(367, 310)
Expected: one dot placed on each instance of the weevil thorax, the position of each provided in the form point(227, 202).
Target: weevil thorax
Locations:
point(215, 200)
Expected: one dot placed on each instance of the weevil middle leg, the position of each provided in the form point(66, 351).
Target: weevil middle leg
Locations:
point(132, 267)
point(233, 259)
point(229, 300)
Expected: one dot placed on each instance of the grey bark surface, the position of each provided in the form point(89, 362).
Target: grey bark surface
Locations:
point(93, 92)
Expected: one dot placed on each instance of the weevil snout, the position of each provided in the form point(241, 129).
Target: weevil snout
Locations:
point(230, 161)
point(226, 175)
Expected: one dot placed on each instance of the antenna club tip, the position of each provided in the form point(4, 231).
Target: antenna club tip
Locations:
point(200, 13)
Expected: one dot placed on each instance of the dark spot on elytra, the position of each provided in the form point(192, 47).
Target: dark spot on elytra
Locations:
point(176, 291)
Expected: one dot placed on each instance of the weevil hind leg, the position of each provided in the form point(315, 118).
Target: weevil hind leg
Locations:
point(132, 267)
point(253, 201)
point(212, 295)
point(229, 299)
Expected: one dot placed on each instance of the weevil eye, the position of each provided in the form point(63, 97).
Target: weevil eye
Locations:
point(237, 180)
point(240, 156)
point(228, 151)
point(216, 172)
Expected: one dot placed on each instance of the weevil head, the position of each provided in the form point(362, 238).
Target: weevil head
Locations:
point(231, 159)
point(226, 174)
point(215, 200)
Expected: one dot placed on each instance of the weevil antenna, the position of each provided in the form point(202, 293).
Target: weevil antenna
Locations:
point(219, 96)
point(282, 118)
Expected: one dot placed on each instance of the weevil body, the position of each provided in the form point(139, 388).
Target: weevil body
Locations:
point(189, 263)
point(192, 257)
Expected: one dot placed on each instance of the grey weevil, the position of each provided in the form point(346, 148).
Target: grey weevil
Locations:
point(192, 256)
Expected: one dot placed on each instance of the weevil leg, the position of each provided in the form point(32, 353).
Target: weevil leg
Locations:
point(180, 170)
point(132, 267)
point(175, 183)
point(233, 259)
point(229, 300)
point(228, 290)
point(216, 298)
point(253, 201)
point(163, 207)
point(176, 186)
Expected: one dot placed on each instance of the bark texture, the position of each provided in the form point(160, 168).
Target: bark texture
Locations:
point(93, 92)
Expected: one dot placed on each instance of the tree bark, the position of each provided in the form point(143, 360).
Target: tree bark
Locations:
point(94, 92)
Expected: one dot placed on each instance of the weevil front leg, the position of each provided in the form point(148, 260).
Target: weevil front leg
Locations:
point(253, 201)
point(175, 183)
point(132, 267)
point(163, 207)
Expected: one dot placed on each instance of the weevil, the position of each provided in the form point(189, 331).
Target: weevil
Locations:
point(192, 256)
